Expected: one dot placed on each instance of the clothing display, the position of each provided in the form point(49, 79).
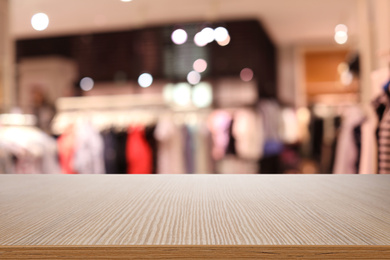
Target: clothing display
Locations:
point(138, 152)
point(27, 150)
point(348, 150)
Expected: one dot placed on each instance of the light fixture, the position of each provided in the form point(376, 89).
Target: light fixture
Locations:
point(40, 21)
point(200, 40)
point(246, 74)
point(341, 37)
point(193, 77)
point(182, 94)
point(179, 36)
point(145, 80)
point(86, 84)
point(225, 42)
point(200, 65)
point(341, 34)
point(208, 34)
point(202, 95)
point(221, 34)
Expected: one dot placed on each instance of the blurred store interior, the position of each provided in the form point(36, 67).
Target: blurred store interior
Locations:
point(184, 86)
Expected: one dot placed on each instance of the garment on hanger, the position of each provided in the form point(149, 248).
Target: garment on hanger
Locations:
point(28, 150)
point(248, 134)
point(219, 123)
point(89, 145)
point(347, 154)
point(110, 151)
point(138, 152)
point(170, 147)
point(149, 136)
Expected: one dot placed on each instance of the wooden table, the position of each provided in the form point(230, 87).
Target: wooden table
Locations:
point(195, 216)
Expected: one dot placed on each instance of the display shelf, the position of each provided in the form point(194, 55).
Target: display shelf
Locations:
point(195, 216)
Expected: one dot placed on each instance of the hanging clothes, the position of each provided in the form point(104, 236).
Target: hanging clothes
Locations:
point(170, 147)
point(248, 134)
point(110, 151)
point(369, 155)
point(347, 154)
point(384, 143)
point(138, 152)
point(88, 155)
point(149, 136)
point(203, 144)
point(28, 150)
point(189, 148)
point(121, 159)
point(219, 124)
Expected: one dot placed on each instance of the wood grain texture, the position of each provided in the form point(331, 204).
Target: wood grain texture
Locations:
point(195, 252)
point(185, 213)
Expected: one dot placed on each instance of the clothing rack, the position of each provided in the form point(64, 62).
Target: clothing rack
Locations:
point(17, 120)
point(118, 110)
point(109, 102)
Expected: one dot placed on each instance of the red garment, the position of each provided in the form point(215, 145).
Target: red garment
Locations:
point(138, 152)
point(66, 149)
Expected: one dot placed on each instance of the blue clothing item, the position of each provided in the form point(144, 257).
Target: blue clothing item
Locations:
point(272, 147)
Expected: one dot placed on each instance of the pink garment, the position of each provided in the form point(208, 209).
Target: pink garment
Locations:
point(170, 147)
point(219, 123)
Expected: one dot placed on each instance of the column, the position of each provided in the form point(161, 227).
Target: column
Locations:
point(365, 50)
point(7, 87)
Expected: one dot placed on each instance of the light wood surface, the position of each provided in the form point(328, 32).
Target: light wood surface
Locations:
point(200, 216)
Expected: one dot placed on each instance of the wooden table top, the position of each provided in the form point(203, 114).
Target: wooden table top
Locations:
point(194, 212)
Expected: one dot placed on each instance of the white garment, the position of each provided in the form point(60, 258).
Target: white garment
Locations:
point(89, 145)
point(248, 134)
point(36, 152)
point(290, 134)
point(346, 150)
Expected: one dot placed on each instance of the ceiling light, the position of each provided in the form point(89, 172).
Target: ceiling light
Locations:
point(341, 27)
point(200, 40)
point(246, 74)
point(225, 42)
point(221, 34)
point(40, 21)
point(86, 84)
point(200, 65)
point(145, 80)
point(341, 37)
point(208, 34)
point(179, 36)
point(193, 77)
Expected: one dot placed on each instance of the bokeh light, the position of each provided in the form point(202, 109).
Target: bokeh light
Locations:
point(341, 28)
point(86, 84)
point(193, 77)
point(40, 21)
point(182, 94)
point(221, 34)
point(200, 65)
point(145, 80)
point(179, 36)
point(246, 74)
point(341, 37)
point(202, 95)
point(200, 40)
point(208, 34)
point(225, 42)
